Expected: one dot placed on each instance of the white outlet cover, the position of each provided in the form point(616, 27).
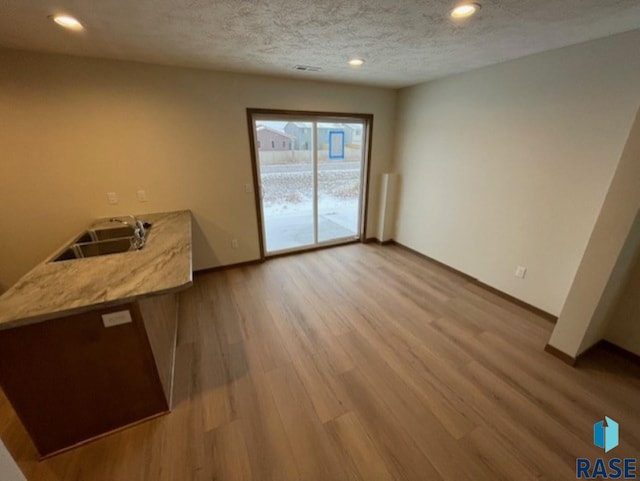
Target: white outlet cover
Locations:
point(142, 195)
point(248, 188)
point(116, 318)
point(521, 271)
point(112, 197)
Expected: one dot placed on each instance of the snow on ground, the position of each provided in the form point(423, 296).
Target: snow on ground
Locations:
point(292, 192)
point(288, 206)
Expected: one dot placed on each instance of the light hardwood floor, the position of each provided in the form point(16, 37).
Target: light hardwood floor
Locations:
point(358, 363)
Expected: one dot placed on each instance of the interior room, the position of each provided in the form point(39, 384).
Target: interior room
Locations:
point(319, 241)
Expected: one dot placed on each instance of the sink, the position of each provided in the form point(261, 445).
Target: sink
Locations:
point(66, 255)
point(113, 233)
point(81, 250)
point(93, 235)
point(86, 237)
point(100, 242)
point(101, 248)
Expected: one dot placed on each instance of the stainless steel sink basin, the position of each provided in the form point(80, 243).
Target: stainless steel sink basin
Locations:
point(100, 242)
point(97, 248)
point(93, 235)
point(114, 233)
point(68, 254)
point(101, 248)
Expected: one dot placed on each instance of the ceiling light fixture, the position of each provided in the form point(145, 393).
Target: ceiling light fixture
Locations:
point(356, 62)
point(67, 21)
point(465, 10)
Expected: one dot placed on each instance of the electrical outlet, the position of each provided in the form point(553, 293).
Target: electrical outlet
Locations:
point(112, 197)
point(234, 243)
point(521, 271)
point(142, 195)
point(248, 188)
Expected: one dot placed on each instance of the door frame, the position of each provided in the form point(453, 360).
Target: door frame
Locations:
point(367, 119)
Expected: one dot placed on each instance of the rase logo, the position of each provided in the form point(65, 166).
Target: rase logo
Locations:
point(605, 436)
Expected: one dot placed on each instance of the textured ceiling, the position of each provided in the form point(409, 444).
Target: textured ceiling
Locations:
point(403, 41)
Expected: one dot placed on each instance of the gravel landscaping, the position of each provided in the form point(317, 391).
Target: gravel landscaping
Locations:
point(296, 187)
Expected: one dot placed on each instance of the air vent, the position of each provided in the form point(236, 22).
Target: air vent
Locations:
point(307, 68)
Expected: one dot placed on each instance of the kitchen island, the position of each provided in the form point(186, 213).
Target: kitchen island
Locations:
point(87, 345)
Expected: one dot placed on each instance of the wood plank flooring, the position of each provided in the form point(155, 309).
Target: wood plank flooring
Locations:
point(358, 363)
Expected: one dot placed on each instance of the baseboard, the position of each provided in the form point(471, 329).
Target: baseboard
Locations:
point(564, 357)
point(369, 240)
point(493, 290)
point(602, 344)
point(375, 240)
point(613, 348)
point(228, 266)
point(284, 254)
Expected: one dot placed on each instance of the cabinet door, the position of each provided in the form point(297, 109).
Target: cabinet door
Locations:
point(73, 379)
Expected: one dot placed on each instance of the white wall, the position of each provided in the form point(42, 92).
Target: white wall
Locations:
point(9, 470)
point(624, 325)
point(72, 129)
point(509, 165)
point(617, 302)
point(600, 277)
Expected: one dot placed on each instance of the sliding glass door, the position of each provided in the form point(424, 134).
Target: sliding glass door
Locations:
point(339, 180)
point(286, 169)
point(310, 172)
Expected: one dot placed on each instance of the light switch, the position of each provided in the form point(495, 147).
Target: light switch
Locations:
point(116, 318)
point(112, 197)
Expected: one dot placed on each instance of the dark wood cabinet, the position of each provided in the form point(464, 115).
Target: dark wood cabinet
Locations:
point(71, 379)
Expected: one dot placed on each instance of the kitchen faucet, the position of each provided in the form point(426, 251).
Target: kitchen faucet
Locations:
point(139, 234)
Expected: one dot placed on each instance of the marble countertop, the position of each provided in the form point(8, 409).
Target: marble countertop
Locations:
point(56, 289)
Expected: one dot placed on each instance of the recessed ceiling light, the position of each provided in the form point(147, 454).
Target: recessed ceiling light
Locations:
point(465, 10)
point(67, 21)
point(356, 62)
